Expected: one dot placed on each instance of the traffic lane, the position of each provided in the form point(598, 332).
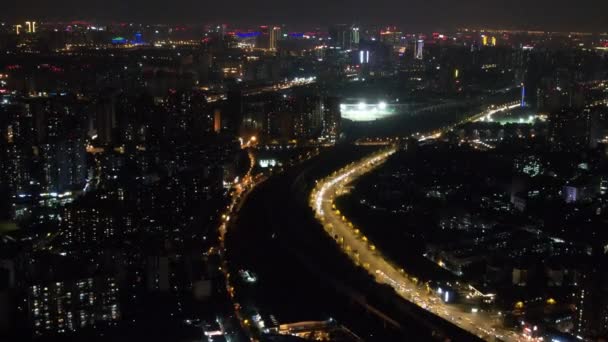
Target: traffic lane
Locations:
point(375, 262)
point(425, 301)
point(471, 321)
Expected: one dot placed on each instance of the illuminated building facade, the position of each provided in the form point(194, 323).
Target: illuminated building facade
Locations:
point(275, 36)
point(30, 26)
point(332, 119)
point(64, 165)
point(217, 120)
point(345, 37)
point(267, 38)
point(391, 36)
point(67, 306)
point(591, 299)
point(419, 49)
point(363, 56)
point(308, 117)
point(529, 165)
point(355, 35)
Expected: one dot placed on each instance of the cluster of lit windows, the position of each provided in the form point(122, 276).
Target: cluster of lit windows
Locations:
point(55, 309)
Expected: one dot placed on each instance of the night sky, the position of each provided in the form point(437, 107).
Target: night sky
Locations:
point(411, 14)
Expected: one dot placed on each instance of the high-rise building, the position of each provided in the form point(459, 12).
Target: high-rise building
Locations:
point(217, 120)
point(419, 49)
point(105, 121)
point(309, 117)
point(66, 306)
point(594, 128)
point(233, 110)
point(268, 37)
point(99, 217)
point(391, 36)
point(344, 36)
point(17, 169)
point(157, 273)
point(363, 56)
point(332, 119)
point(64, 165)
point(73, 163)
point(355, 35)
point(17, 157)
point(275, 36)
point(592, 298)
point(221, 31)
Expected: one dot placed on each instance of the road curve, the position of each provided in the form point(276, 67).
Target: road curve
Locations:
point(364, 253)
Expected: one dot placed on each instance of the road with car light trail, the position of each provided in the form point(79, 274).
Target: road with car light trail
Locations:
point(364, 253)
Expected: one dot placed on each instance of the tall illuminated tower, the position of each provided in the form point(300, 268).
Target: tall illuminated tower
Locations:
point(331, 119)
point(419, 49)
point(275, 36)
point(355, 36)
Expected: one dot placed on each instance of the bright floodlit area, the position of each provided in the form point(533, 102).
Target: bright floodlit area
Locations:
point(367, 111)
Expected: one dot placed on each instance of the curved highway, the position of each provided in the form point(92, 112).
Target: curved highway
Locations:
point(364, 253)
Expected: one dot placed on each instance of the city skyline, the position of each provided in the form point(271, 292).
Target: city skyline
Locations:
point(353, 180)
point(557, 15)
